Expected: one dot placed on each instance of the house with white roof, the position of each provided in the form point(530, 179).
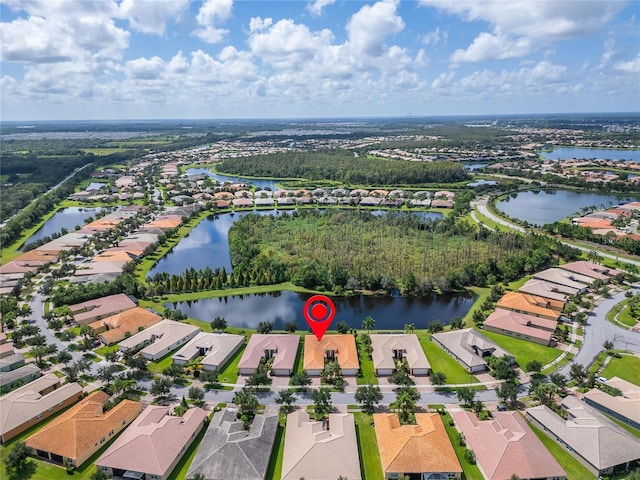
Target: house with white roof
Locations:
point(160, 339)
point(216, 348)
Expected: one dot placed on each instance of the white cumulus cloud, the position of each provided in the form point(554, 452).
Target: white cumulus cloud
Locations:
point(632, 66)
point(211, 14)
point(316, 7)
point(149, 16)
point(369, 27)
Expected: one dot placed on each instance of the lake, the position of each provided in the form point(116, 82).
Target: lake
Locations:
point(66, 218)
point(390, 313)
point(566, 153)
point(539, 207)
point(261, 183)
point(207, 245)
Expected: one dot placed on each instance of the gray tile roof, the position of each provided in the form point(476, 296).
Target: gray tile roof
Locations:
point(227, 452)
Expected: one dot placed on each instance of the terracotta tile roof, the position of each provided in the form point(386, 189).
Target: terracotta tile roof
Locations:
point(114, 255)
point(82, 426)
point(424, 447)
point(165, 222)
point(128, 321)
point(343, 345)
point(526, 303)
point(506, 445)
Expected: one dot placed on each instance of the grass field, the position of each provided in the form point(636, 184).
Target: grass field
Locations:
point(370, 465)
point(523, 351)
point(440, 361)
point(627, 368)
point(575, 470)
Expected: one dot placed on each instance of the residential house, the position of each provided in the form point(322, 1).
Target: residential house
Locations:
point(421, 451)
point(597, 442)
point(519, 325)
point(315, 452)
point(280, 349)
point(228, 452)
point(469, 348)
point(545, 289)
point(85, 428)
point(625, 407)
point(565, 278)
point(591, 269)
point(94, 310)
point(531, 305)
point(506, 445)
point(340, 348)
point(124, 324)
point(19, 376)
point(11, 362)
point(159, 339)
point(154, 443)
point(216, 348)
point(388, 349)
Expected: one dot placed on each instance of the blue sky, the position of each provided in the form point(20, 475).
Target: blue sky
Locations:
point(136, 59)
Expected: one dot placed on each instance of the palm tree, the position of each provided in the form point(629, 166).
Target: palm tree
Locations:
point(409, 327)
point(368, 323)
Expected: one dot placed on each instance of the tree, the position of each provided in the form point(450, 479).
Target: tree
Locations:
point(438, 378)
point(435, 326)
point(219, 323)
point(247, 403)
point(105, 373)
point(560, 381)
point(259, 378)
point(99, 475)
point(503, 368)
point(16, 460)
point(409, 327)
point(332, 374)
point(196, 394)
point(111, 356)
point(405, 404)
point(38, 352)
point(291, 327)
point(174, 371)
point(285, 399)
point(342, 327)
point(124, 385)
point(368, 323)
point(507, 392)
point(466, 395)
point(322, 402)
point(367, 396)
point(161, 386)
point(401, 376)
point(608, 345)
point(456, 323)
point(577, 372)
point(265, 327)
point(208, 377)
point(300, 379)
point(64, 357)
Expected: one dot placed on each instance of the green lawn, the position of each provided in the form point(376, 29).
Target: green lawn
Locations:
point(523, 351)
point(229, 374)
point(627, 368)
point(469, 471)
point(102, 351)
point(575, 470)
point(370, 464)
point(481, 295)
point(440, 361)
point(366, 366)
point(274, 470)
point(159, 365)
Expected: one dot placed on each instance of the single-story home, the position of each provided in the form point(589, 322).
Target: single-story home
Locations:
point(531, 305)
point(519, 325)
point(93, 310)
point(506, 445)
point(11, 362)
point(340, 348)
point(562, 277)
point(591, 269)
point(216, 348)
point(32, 403)
point(154, 443)
point(315, 452)
point(85, 428)
point(160, 339)
point(117, 327)
point(597, 442)
point(469, 348)
point(282, 348)
point(20, 375)
point(625, 407)
point(421, 451)
point(227, 452)
point(545, 289)
point(391, 348)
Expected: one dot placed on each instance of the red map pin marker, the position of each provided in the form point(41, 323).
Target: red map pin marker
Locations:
point(319, 312)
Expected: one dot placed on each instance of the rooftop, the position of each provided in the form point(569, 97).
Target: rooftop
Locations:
point(384, 346)
point(526, 303)
point(284, 345)
point(469, 345)
point(521, 323)
point(160, 336)
point(343, 344)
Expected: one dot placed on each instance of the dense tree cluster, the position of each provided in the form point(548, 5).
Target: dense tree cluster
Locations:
point(577, 232)
point(341, 165)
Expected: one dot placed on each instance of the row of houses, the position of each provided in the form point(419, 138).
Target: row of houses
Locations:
point(607, 222)
point(532, 313)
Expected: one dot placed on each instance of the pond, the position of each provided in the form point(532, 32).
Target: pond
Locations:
point(390, 313)
point(539, 207)
point(261, 183)
point(474, 166)
point(566, 153)
point(95, 186)
point(66, 218)
point(207, 245)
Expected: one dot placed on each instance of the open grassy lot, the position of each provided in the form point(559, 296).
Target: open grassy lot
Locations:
point(370, 465)
point(523, 351)
point(442, 362)
point(575, 470)
point(627, 368)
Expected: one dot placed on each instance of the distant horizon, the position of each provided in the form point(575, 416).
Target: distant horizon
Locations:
point(326, 118)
